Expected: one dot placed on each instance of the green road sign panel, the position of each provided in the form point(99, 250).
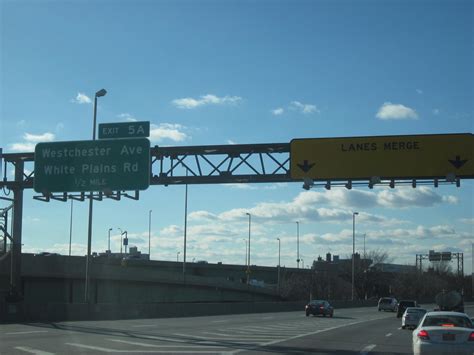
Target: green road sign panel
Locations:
point(387, 157)
point(100, 165)
point(124, 130)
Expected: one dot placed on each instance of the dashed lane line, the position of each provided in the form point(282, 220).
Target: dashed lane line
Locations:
point(367, 349)
point(143, 325)
point(146, 345)
point(107, 350)
point(388, 335)
point(32, 351)
point(27, 332)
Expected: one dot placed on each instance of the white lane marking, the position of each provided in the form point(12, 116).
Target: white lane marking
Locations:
point(304, 335)
point(143, 325)
point(28, 332)
point(107, 350)
point(367, 349)
point(33, 351)
point(240, 336)
point(208, 340)
point(220, 321)
point(157, 346)
point(399, 328)
point(388, 335)
point(266, 318)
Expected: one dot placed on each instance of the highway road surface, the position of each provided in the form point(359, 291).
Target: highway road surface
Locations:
point(351, 331)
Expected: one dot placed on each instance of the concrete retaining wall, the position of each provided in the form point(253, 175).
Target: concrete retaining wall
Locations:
point(53, 312)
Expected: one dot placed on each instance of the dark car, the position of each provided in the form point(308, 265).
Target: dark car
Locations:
point(403, 305)
point(319, 307)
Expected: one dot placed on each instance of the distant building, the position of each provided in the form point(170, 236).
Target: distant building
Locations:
point(394, 268)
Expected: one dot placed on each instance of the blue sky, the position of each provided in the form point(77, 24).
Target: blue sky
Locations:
point(225, 72)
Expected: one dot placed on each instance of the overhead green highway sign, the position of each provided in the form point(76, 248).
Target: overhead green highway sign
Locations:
point(386, 157)
point(100, 165)
point(124, 129)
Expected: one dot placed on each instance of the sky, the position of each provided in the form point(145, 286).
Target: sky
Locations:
point(243, 72)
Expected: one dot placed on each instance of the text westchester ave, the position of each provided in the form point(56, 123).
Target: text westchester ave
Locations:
point(104, 165)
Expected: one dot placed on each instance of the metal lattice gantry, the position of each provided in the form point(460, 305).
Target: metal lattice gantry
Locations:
point(242, 163)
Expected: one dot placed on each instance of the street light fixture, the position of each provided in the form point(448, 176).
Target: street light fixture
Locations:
point(248, 259)
point(353, 252)
point(99, 93)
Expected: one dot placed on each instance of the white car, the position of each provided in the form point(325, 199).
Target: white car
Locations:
point(444, 333)
point(412, 316)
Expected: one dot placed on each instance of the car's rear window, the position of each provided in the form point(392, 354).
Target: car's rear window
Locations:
point(385, 300)
point(416, 310)
point(447, 321)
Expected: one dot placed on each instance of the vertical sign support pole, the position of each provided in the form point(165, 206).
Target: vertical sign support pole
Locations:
point(15, 277)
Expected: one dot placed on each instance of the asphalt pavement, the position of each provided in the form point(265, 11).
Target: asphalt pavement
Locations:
point(351, 331)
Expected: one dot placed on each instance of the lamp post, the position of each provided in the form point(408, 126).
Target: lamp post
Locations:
point(297, 244)
point(302, 260)
point(149, 234)
point(99, 93)
point(177, 256)
point(246, 252)
point(185, 227)
point(121, 233)
point(248, 259)
point(279, 249)
point(109, 240)
point(70, 228)
point(353, 252)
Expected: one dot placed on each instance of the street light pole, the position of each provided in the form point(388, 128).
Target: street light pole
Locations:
point(248, 259)
point(246, 252)
point(99, 93)
point(109, 239)
point(185, 226)
point(149, 234)
point(279, 249)
point(70, 228)
point(298, 244)
point(177, 256)
point(353, 251)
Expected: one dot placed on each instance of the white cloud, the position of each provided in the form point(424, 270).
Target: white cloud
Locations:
point(419, 91)
point(467, 220)
point(304, 108)
point(389, 111)
point(229, 141)
point(36, 138)
point(278, 111)
point(171, 131)
point(127, 117)
point(209, 99)
point(30, 141)
point(242, 186)
point(81, 99)
point(22, 147)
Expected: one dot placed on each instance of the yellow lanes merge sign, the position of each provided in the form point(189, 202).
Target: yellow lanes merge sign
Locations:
point(387, 157)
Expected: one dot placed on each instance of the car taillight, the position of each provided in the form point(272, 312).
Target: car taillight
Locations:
point(321, 307)
point(423, 334)
point(471, 337)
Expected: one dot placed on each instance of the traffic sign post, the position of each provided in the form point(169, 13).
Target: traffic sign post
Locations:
point(101, 165)
point(385, 157)
point(124, 130)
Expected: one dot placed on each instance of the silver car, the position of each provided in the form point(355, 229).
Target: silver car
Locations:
point(387, 304)
point(444, 333)
point(412, 316)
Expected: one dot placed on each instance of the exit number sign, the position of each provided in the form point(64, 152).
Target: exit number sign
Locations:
point(124, 130)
